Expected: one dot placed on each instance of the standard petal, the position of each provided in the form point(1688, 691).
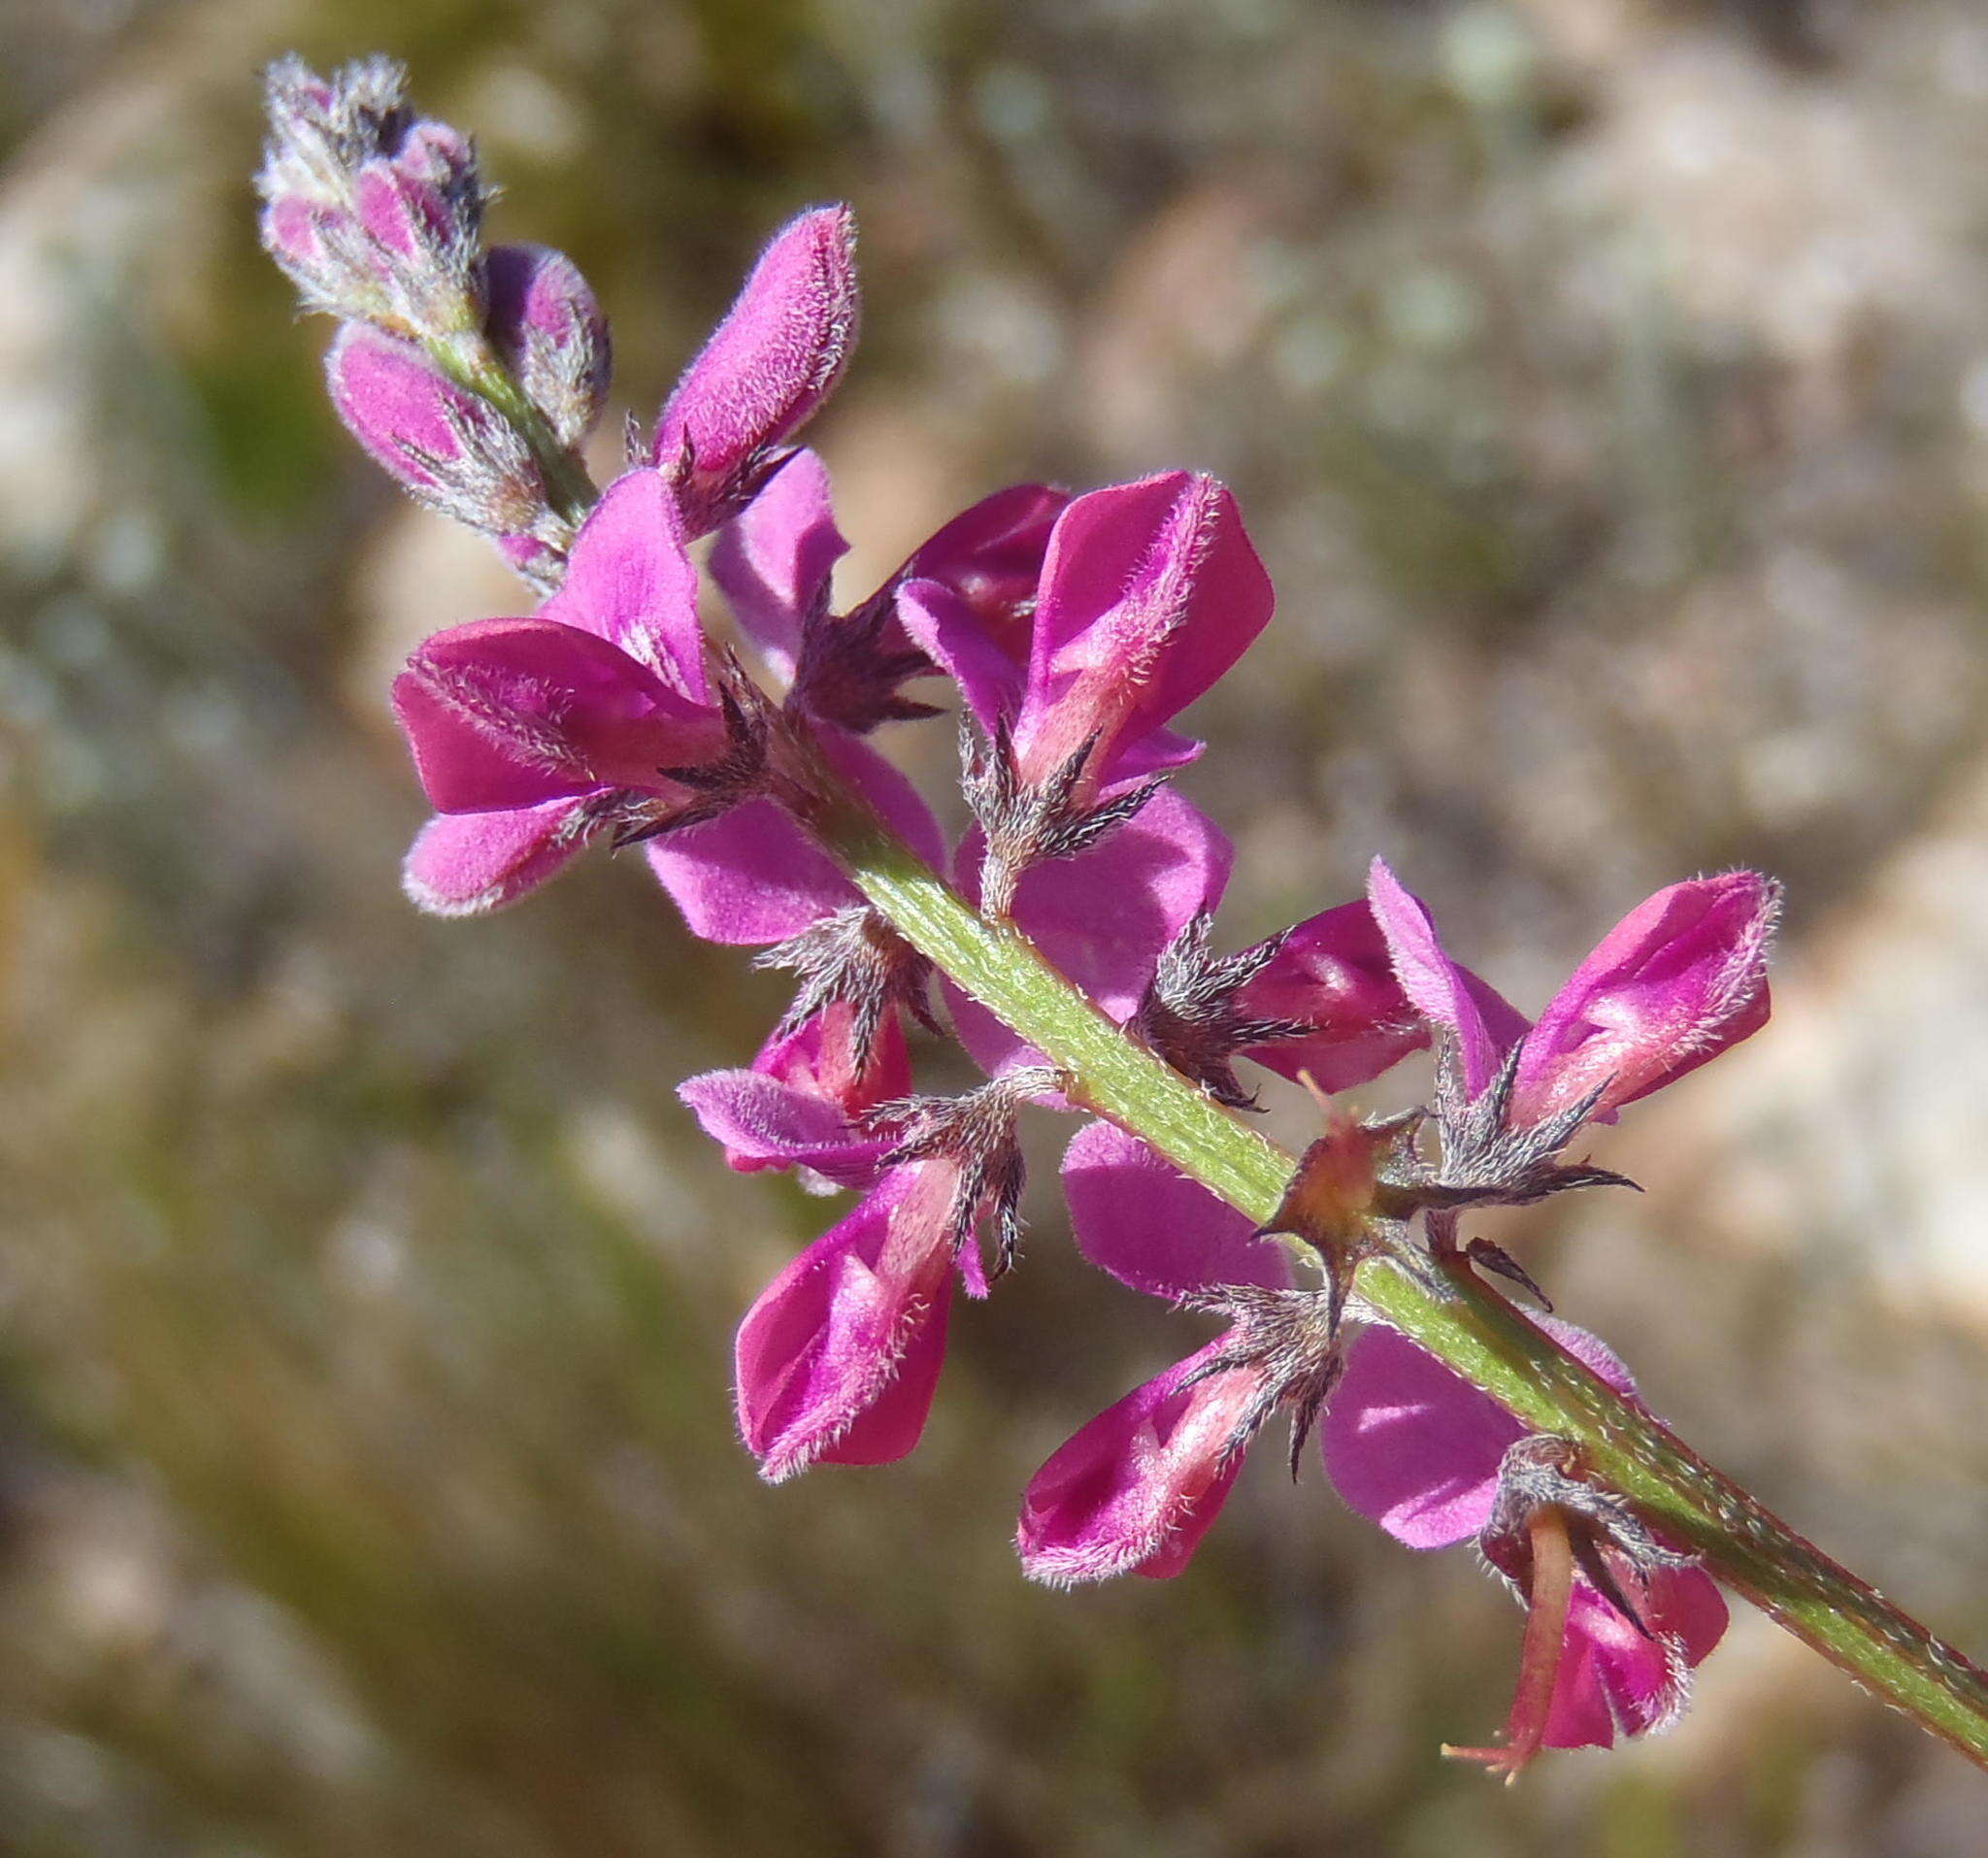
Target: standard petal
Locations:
point(1105, 917)
point(462, 864)
point(1485, 1025)
point(630, 581)
point(1416, 1448)
point(774, 359)
point(774, 560)
point(1137, 1489)
point(752, 876)
point(1148, 1225)
point(1151, 592)
point(1676, 981)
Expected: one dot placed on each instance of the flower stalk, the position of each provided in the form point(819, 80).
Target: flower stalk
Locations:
point(1076, 629)
point(1465, 1323)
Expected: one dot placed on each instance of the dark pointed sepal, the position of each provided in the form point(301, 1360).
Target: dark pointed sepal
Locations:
point(856, 958)
point(1026, 824)
point(1189, 1017)
point(977, 1133)
point(1290, 1341)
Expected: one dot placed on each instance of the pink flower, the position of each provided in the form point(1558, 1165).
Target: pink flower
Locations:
point(1149, 592)
point(1139, 1218)
point(1331, 974)
point(534, 736)
point(767, 368)
point(797, 1106)
point(1105, 917)
point(1135, 1489)
point(774, 562)
point(1419, 1450)
point(1676, 981)
point(837, 1358)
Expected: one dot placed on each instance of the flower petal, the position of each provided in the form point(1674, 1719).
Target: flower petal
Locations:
point(507, 713)
point(630, 581)
point(1611, 1675)
point(762, 1122)
point(1485, 1025)
point(944, 626)
point(1139, 1217)
point(837, 1330)
point(752, 876)
point(1332, 973)
point(1678, 980)
point(774, 560)
point(1137, 1489)
point(1416, 1448)
point(1105, 917)
point(991, 557)
point(462, 864)
point(1149, 592)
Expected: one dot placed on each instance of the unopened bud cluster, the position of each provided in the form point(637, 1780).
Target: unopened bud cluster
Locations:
point(1072, 629)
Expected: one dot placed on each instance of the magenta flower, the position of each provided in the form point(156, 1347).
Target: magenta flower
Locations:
point(1105, 917)
point(837, 1361)
point(1676, 981)
point(534, 736)
point(774, 559)
point(1135, 1489)
point(800, 1103)
point(752, 876)
point(1419, 1450)
point(767, 368)
point(1149, 592)
point(1331, 976)
point(1137, 1218)
point(540, 733)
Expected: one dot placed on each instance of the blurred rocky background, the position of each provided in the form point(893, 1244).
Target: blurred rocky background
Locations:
point(1606, 382)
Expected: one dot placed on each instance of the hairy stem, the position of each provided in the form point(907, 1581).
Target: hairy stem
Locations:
point(1469, 1327)
point(470, 360)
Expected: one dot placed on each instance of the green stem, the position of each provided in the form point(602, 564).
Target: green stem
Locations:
point(1473, 1330)
point(468, 359)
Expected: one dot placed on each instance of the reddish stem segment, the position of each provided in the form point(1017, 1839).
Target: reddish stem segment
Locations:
point(1538, 1664)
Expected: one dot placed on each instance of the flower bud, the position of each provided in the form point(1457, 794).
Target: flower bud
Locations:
point(374, 214)
point(544, 322)
point(768, 365)
point(441, 444)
